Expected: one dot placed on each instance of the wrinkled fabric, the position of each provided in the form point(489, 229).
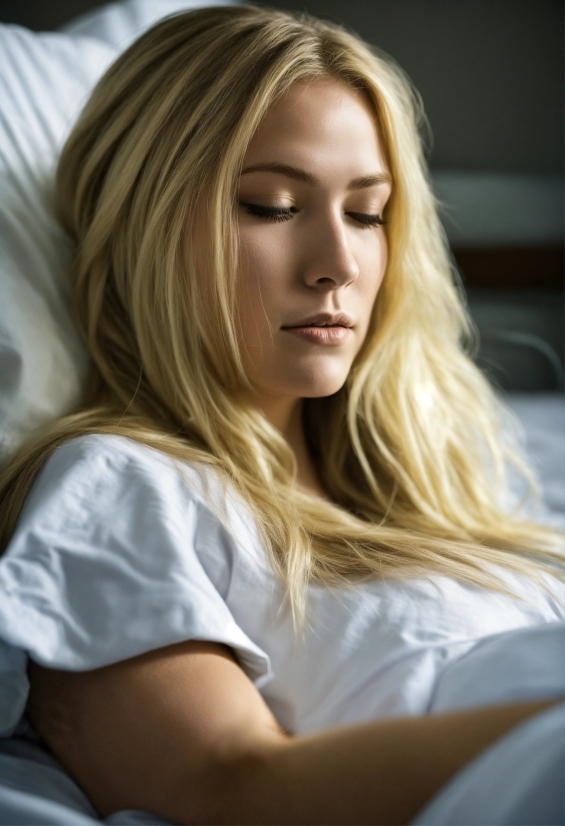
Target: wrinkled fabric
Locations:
point(120, 550)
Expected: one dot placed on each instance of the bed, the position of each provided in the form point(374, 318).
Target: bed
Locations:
point(44, 80)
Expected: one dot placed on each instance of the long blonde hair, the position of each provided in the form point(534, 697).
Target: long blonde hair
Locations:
point(409, 449)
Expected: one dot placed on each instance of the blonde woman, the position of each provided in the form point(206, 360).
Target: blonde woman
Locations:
point(243, 567)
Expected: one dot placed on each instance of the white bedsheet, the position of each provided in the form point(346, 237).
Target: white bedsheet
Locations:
point(521, 778)
point(542, 416)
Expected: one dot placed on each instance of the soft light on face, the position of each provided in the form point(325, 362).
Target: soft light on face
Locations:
point(313, 250)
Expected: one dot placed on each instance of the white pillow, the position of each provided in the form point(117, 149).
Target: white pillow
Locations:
point(119, 24)
point(45, 79)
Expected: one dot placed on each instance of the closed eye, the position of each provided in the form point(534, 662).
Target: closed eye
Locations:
point(271, 213)
point(366, 219)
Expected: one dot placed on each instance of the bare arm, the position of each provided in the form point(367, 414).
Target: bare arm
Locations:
point(183, 733)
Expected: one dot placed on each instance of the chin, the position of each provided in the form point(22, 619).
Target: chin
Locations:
point(320, 384)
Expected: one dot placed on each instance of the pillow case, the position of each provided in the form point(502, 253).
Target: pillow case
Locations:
point(45, 79)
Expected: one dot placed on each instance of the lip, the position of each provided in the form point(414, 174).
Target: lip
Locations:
point(330, 329)
point(330, 336)
point(325, 319)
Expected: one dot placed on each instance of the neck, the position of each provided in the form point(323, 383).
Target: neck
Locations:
point(286, 416)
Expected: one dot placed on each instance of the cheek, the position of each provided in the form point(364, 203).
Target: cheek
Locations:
point(257, 252)
point(260, 284)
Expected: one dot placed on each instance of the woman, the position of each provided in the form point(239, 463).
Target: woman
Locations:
point(281, 423)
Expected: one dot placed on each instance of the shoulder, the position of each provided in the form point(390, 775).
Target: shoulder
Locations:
point(116, 553)
point(103, 491)
point(105, 453)
point(112, 500)
point(108, 472)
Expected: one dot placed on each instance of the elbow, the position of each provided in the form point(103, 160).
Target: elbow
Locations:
point(244, 789)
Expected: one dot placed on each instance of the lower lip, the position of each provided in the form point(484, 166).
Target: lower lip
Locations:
point(321, 335)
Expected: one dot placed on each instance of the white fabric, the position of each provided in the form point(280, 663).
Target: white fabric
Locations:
point(519, 781)
point(110, 539)
point(45, 79)
point(120, 550)
point(542, 418)
point(119, 24)
point(503, 668)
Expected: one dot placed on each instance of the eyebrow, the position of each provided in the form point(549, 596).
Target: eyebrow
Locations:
point(301, 175)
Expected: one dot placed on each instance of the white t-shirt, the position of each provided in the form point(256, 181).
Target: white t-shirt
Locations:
point(120, 550)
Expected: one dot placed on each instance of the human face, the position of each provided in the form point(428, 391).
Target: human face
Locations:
point(312, 246)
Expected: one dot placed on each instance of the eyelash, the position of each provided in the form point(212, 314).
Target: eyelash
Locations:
point(282, 214)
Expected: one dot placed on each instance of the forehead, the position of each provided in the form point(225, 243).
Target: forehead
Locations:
point(322, 123)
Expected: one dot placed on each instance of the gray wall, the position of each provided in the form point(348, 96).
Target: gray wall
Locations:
point(42, 15)
point(490, 73)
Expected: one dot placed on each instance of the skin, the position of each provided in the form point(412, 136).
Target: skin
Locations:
point(326, 252)
point(182, 732)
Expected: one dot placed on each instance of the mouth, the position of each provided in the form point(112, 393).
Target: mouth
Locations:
point(323, 320)
point(330, 329)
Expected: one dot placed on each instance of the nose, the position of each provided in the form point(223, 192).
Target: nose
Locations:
point(330, 262)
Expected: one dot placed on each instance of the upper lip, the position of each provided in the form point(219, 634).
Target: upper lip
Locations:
point(339, 319)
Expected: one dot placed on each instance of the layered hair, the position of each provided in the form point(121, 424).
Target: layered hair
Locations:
point(409, 449)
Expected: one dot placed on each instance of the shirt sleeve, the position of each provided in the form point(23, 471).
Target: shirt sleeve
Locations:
point(103, 567)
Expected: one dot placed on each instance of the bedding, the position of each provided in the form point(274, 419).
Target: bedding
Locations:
point(44, 80)
point(542, 418)
point(120, 550)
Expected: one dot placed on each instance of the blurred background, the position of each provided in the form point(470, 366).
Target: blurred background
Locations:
point(491, 76)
